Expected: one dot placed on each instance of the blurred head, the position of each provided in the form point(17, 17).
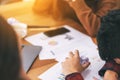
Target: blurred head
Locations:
point(109, 36)
point(9, 52)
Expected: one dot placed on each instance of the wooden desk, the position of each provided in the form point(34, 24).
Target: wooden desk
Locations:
point(23, 12)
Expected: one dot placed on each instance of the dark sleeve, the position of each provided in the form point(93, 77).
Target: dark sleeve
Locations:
point(74, 76)
point(110, 65)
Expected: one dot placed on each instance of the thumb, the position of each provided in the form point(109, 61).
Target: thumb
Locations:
point(85, 65)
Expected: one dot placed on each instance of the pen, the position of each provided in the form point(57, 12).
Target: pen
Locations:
point(52, 52)
point(37, 26)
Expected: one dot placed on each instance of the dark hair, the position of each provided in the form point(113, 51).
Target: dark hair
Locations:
point(108, 36)
point(9, 52)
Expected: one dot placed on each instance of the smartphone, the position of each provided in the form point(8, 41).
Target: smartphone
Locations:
point(56, 32)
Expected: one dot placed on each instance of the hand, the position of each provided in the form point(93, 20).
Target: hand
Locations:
point(117, 60)
point(110, 75)
point(72, 64)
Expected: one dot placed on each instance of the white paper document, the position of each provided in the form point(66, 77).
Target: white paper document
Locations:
point(91, 73)
point(52, 74)
point(58, 47)
point(50, 43)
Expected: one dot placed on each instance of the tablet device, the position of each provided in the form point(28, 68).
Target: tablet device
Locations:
point(29, 54)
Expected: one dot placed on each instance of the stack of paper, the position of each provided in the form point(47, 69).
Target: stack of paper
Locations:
point(50, 43)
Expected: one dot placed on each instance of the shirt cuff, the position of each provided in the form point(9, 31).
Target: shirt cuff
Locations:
point(74, 76)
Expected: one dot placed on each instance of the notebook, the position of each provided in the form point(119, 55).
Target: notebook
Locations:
point(29, 54)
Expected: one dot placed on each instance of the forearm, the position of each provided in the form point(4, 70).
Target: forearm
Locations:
point(90, 22)
point(86, 16)
point(89, 19)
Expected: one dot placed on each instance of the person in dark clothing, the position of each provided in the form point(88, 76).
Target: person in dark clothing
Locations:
point(108, 39)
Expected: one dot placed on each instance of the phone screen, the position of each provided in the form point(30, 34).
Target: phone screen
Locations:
point(55, 32)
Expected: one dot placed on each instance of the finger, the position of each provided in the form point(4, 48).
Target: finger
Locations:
point(62, 63)
point(70, 0)
point(117, 60)
point(85, 65)
point(71, 54)
point(77, 53)
point(66, 58)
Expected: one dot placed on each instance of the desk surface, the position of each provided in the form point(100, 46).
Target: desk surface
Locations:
point(23, 12)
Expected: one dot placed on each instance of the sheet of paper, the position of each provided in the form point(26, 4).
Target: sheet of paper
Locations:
point(62, 52)
point(52, 74)
point(50, 43)
point(91, 73)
